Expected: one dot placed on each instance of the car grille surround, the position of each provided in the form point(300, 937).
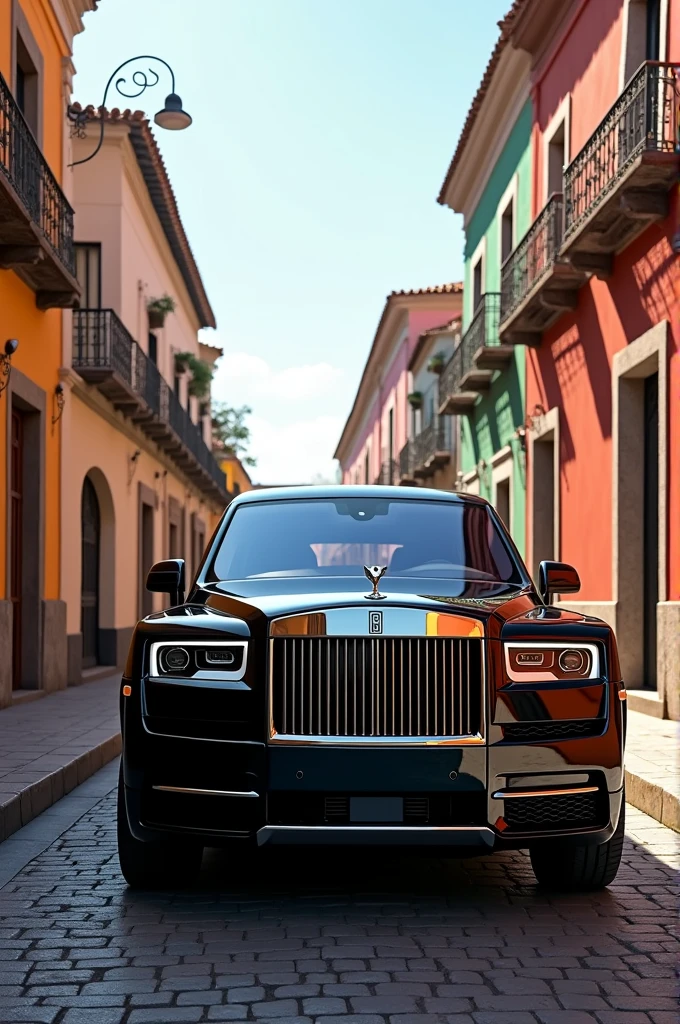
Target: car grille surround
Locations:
point(376, 688)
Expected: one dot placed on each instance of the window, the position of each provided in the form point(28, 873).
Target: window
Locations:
point(507, 230)
point(557, 158)
point(642, 36)
point(477, 284)
point(337, 537)
point(27, 79)
point(153, 348)
point(653, 30)
point(390, 455)
point(88, 273)
point(366, 468)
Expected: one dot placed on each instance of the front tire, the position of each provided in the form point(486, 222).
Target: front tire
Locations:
point(579, 868)
point(164, 864)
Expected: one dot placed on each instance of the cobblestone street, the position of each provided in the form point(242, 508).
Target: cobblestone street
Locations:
point(322, 936)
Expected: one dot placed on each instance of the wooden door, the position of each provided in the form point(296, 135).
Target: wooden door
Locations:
point(89, 590)
point(16, 551)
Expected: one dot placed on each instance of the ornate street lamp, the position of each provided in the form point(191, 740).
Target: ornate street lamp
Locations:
point(172, 117)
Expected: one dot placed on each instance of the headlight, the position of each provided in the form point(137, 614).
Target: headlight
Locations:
point(199, 660)
point(533, 662)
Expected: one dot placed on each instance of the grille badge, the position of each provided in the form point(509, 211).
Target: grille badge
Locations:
point(375, 622)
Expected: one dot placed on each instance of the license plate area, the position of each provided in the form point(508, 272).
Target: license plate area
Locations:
point(376, 809)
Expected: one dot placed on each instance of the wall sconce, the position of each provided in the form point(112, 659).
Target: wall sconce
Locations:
point(532, 420)
point(521, 438)
point(6, 362)
point(59, 403)
point(132, 467)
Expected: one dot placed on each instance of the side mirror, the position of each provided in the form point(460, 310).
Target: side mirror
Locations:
point(557, 578)
point(167, 578)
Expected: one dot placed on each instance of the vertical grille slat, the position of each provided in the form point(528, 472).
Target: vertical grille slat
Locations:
point(377, 687)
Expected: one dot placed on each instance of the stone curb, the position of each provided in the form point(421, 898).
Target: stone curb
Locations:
point(19, 809)
point(653, 799)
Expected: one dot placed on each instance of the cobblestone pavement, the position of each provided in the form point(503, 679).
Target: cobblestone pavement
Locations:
point(320, 936)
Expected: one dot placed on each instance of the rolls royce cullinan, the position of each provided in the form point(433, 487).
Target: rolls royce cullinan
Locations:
point(362, 666)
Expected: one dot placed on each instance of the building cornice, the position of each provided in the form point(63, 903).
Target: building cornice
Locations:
point(538, 23)
point(69, 14)
point(504, 97)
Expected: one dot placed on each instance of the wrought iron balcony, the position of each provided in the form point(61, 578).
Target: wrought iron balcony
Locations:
point(537, 284)
point(389, 473)
point(107, 356)
point(406, 476)
point(619, 182)
point(432, 448)
point(478, 354)
point(36, 220)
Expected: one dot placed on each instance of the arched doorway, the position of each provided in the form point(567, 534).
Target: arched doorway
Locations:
point(89, 589)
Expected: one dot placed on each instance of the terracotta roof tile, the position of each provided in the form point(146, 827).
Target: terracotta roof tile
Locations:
point(453, 288)
point(162, 196)
point(505, 26)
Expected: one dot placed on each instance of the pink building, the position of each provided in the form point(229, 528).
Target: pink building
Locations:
point(380, 422)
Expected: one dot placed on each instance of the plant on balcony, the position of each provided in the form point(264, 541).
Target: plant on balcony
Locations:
point(158, 310)
point(201, 373)
point(415, 399)
point(437, 363)
point(230, 432)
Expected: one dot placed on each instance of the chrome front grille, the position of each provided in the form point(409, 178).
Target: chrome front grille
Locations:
point(377, 687)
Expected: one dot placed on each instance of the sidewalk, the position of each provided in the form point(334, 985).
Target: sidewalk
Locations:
point(49, 746)
point(653, 767)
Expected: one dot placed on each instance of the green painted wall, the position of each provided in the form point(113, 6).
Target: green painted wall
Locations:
point(500, 411)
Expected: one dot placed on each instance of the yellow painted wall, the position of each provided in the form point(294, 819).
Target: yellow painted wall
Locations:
point(235, 473)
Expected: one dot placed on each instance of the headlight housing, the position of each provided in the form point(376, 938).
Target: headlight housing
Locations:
point(198, 660)
point(543, 662)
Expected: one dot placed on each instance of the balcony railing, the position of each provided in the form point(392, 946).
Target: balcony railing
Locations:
point(534, 256)
point(105, 354)
point(432, 447)
point(478, 353)
point(389, 472)
point(406, 464)
point(27, 172)
point(635, 145)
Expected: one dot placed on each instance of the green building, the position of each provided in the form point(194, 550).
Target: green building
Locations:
point(483, 384)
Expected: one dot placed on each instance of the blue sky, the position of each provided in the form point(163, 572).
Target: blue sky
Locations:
point(307, 183)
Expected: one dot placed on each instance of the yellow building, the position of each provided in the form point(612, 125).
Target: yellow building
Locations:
point(37, 282)
point(236, 474)
point(139, 482)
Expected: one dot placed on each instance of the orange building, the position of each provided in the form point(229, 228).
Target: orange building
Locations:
point(236, 474)
point(139, 481)
point(37, 282)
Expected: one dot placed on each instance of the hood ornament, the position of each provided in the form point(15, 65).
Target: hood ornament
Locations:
point(375, 573)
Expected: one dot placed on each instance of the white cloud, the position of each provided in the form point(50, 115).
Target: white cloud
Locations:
point(254, 378)
point(295, 453)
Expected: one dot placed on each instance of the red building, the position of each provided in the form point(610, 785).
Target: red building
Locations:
point(594, 293)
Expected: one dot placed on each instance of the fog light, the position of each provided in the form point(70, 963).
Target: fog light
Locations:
point(571, 661)
point(220, 657)
point(176, 659)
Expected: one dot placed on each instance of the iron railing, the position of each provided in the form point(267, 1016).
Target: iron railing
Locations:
point(643, 119)
point(27, 171)
point(432, 439)
point(388, 473)
point(533, 257)
point(406, 463)
point(483, 331)
point(100, 341)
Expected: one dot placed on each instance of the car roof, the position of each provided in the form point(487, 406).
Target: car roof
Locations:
point(423, 494)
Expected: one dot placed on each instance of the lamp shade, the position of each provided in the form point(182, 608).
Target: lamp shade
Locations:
point(172, 116)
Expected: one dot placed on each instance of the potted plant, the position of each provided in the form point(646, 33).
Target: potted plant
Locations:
point(181, 362)
point(158, 309)
point(415, 399)
point(437, 363)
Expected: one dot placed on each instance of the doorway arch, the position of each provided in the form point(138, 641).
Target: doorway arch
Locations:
point(90, 520)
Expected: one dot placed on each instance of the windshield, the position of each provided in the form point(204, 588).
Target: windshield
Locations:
point(337, 537)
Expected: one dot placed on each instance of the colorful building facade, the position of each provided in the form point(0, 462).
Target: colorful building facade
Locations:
point(380, 422)
point(139, 482)
point(37, 284)
point(593, 294)
point(489, 183)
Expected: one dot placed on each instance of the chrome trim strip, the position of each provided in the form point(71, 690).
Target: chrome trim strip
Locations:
point(377, 741)
point(515, 794)
point(251, 794)
point(428, 835)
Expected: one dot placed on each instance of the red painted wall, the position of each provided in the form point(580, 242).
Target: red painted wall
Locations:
point(572, 368)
